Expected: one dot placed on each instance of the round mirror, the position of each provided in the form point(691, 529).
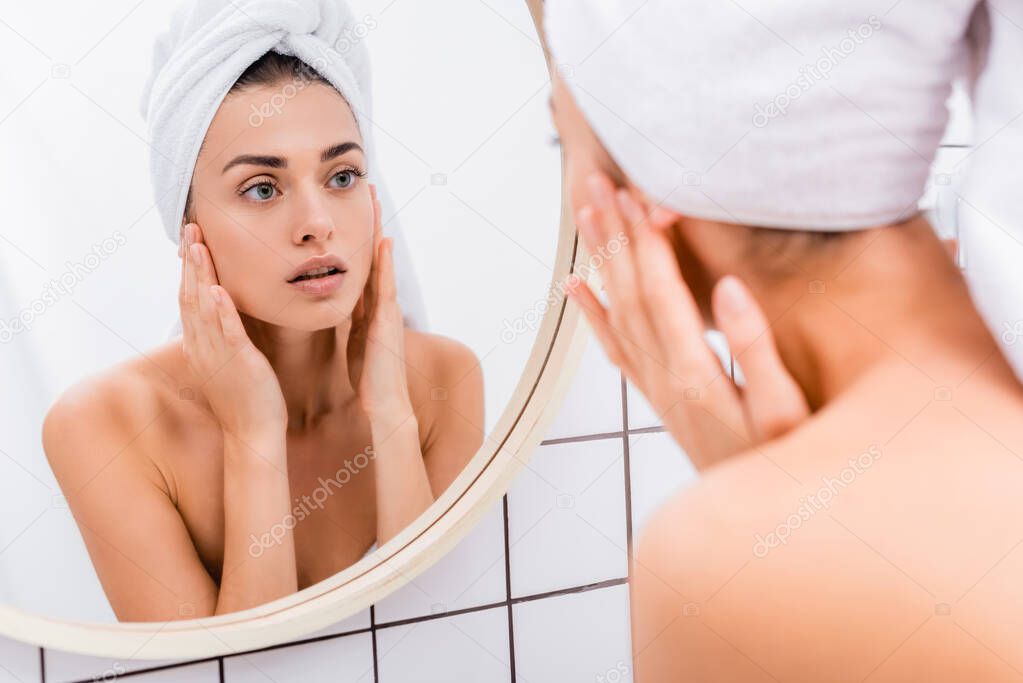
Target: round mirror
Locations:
point(183, 475)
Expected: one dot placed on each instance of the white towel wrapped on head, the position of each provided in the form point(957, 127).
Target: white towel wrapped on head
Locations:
point(774, 113)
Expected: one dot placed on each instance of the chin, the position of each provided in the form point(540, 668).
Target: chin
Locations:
point(318, 314)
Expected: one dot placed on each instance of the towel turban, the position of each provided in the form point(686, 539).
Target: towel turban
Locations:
point(816, 116)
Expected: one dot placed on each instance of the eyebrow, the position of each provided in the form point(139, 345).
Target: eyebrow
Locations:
point(280, 162)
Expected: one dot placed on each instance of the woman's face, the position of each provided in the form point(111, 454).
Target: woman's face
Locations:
point(279, 180)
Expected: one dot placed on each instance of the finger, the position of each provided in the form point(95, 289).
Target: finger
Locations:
point(227, 313)
point(669, 303)
point(371, 292)
point(617, 270)
point(208, 330)
point(387, 288)
point(596, 316)
point(188, 303)
point(186, 289)
point(774, 400)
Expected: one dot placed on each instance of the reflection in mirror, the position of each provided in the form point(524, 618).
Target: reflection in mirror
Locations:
point(359, 275)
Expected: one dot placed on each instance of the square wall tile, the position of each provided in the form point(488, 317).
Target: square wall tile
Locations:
point(62, 667)
point(576, 637)
point(467, 647)
point(204, 672)
point(472, 574)
point(658, 468)
point(593, 404)
point(346, 659)
point(19, 662)
point(356, 622)
point(566, 517)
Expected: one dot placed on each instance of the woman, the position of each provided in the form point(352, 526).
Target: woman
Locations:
point(857, 516)
point(295, 422)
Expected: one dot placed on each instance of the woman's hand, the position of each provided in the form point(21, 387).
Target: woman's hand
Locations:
point(236, 377)
point(654, 331)
point(376, 345)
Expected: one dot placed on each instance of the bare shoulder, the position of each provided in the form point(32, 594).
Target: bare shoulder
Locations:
point(823, 551)
point(107, 413)
point(440, 369)
point(439, 357)
point(446, 387)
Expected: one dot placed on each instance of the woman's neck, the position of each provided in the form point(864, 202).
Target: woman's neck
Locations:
point(894, 296)
point(311, 367)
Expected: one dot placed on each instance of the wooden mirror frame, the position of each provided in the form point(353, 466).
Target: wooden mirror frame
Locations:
point(561, 336)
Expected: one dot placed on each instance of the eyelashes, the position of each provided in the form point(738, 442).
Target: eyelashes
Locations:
point(271, 183)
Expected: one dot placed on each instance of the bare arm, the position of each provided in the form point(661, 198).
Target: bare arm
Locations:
point(137, 540)
point(259, 545)
point(138, 543)
point(410, 476)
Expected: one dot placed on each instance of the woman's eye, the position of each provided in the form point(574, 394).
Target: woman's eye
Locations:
point(264, 191)
point(346, 179)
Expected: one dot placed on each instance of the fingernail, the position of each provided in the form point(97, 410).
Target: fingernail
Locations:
point(598, 188)
point(215, 293)
point(584, 217)
point(661, 218)
point(733, 296)
point(196, 256)
point(625, 203)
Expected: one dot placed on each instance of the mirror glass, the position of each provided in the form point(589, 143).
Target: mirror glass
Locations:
point(150, 482)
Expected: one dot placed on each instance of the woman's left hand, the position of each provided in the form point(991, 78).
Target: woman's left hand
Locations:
point(376, 344)
point(654, 331)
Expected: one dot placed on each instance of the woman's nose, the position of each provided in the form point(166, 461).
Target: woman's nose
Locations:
point(313, 221)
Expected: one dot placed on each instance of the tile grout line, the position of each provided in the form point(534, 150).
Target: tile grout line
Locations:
point(507, 589)
point(373, 639)
point(603, 435)
point(557, 593)
point(560, 592)
point(627, 465)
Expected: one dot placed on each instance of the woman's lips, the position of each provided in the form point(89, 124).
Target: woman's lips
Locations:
point(319, 285)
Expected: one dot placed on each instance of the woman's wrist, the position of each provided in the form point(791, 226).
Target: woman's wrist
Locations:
point(387, 419)
point(267, 441)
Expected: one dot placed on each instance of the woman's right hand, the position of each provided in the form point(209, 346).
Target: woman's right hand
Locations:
point(235, 376)
point(654, 331)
